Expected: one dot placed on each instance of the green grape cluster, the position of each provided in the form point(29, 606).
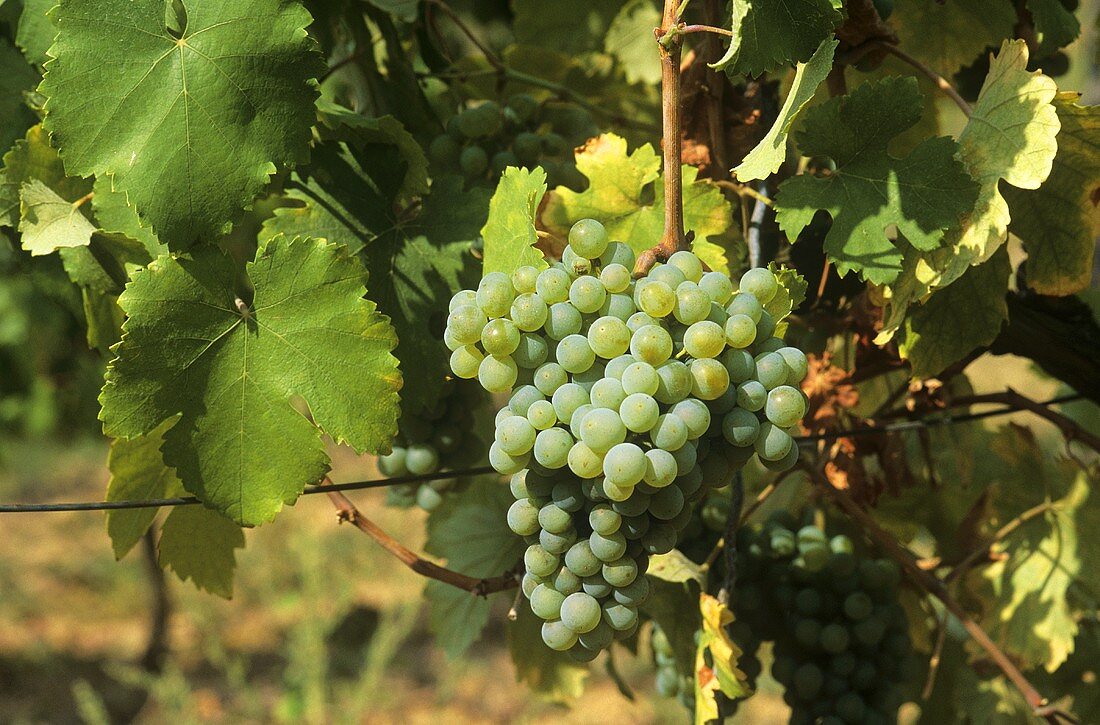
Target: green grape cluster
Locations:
point(439, 438)
point(630, 399)
point(482, 141)
point(842, 647)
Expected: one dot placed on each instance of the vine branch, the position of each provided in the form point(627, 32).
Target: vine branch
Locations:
point(1071, 431)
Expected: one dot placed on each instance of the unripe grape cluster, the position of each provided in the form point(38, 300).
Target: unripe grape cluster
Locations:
point(482, 141)
point(630, 399)
point(439, 438)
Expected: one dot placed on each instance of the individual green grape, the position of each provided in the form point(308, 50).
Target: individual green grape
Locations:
point(673, 382)
point(588, 238)
point(575, 264)
point(562, 320)
point(500, 337)
point(539, 485)
point(580, 612)
point(524, 279)
point(465, 361)
point(523, 398)
point(462, 297)
point(450, 340)
point(567, 399)
point(616, 366)
point(760, 283)
point(581, 561)
point(752, 396)
point(620, 572)
point(740, 331)
point(604, 520)
point(771, 371)
point(746, 304)
point(709, 378)
point(651, 344)
point(516, 435)
point(554, 519)
point(607, 393)
point(772, 344)
point(501, 160)
point(566, 582)
point(661, 468)
point(765, 328)
point(466, 322)
point(529, 311)
point(834, 638)
point(541, 415)
point(739, 364)
point(686, 457)
point(393, 463)
point(618, 253)
point(504, 463)
point(557, 636)
point(633, 594)
point(495, 294)
point(772, 442)
point(667, 503)
point(527, 147)
point(695, 414)
point(666, 273)
point(523, 518)
point(609, 337)
point(717, 286)
point(551, 448)
point(567, 494)
point(639, 412)
point(654, 298)
point(549, 377)
point(704, 339)
point(624, 465)
point(692, 304)
point(608, 547)
point(546, 602)
point(531, 352)
point(796, 363)
point(659, 539)
point(785, 406)
point(638, 320)
point(497, 374)
point(588, 378)
point(718, 315)
point(615, 277)
point(444, 151)
point(539, 561)
point(670, 433)
point(640, 377)
point(600, 429)
point(587, 294)
point(687, 263)
point(740, 427)
point(619, 306)
point(574, 354)
point(620, 617)
point(585, 462)
point(614, 492)
point(552, 285)
point(473, 161)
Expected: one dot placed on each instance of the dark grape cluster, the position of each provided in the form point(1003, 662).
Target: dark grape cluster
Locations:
point(630, 399)
point(439, 438)
point(842, 647)
point(481, 141)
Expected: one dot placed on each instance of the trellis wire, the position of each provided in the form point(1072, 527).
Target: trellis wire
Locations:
point(808, 440)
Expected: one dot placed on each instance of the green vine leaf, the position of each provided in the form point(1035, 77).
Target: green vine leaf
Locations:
point(616, 196)
point(193, 347)
point(630, 41)
point(551, 675)
point(509, 232)
point(199, 544)
point(138, 473)
point(1055, 26)
point(770, 34)
point(192, 128)
point(923, 194)
point(32, 158)
point(36, 30)
point(675, 584)
point(1059, 221)
point(48, 222)
point(16, 78)
point(572, 27)
point(947, 36)
point(113, 214)
point(471, 532)
point(768, 155)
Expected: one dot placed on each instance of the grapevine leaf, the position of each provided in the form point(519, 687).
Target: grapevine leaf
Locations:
point(675, 583)
point(571, 27)
point(791, 292)
point(36, 30)
point(1011, 137)
point(199, 544)
point(947, 36)
point(32, 158)
point(616, 197)
point(471, 532)
point(957, 319)
point(1059, 221)
point(114, 214)
point(769, 34)
point(549, 674)
point(768, 155)
point(138, 473)
point(1055, 26)
point(193, 347)
point(923, 194)
point(103, 318)
point(16, 78)
point(722, 675)
point(989, 699)
point(1076, 678)
point(401, 9)
point(192, 128)
point(48, 222)
point(509, 232)
point(630, 41)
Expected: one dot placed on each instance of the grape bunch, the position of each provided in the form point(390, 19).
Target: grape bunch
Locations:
point(439, 438)
point(480, 142)
point(842, 647)
point(630, 399)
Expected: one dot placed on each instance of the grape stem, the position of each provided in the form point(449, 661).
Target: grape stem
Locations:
point(934, 586)
point(669, 45)
point(346, 511)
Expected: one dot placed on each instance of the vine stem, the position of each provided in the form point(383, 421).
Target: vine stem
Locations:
point(346, 511)
point(1005, 531)
point(936, 588)
point(1071, 431)
point(669, 45)
point(941, 83)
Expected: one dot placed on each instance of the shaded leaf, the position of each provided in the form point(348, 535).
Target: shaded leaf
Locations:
point(630, 41)
point(947, 36)
point(675, 583)
point(114, 214)
point(33, 158)
point(16, 78)
point(199, 544)
point(138, 473)
point(36, 30)
point(1055, 26)
point(769, 34)
point(549, 674)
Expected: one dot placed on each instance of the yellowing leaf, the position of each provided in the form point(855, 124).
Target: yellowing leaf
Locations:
point(716, 661)
point(48, 222)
